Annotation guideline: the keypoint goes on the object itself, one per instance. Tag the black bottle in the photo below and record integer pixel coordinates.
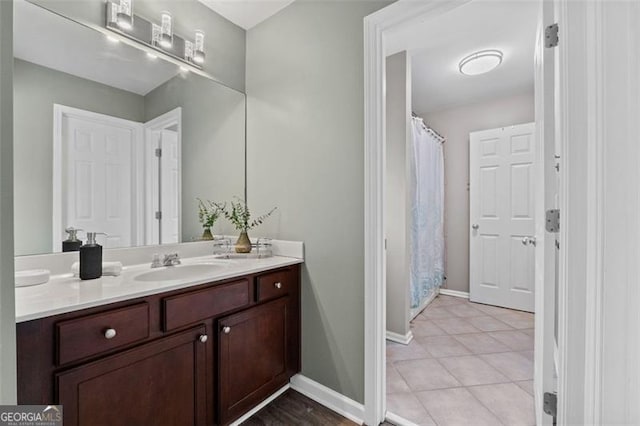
(72, 243)
(91, 258)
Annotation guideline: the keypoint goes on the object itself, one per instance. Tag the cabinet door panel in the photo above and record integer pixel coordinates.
(160, 383)
(252, 357)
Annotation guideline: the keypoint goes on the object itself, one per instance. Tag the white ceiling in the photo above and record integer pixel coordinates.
(437, 46)
(246, 13)
(47, 39)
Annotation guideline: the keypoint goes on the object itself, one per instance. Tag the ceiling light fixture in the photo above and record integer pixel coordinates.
(125, 15)
(480, 62)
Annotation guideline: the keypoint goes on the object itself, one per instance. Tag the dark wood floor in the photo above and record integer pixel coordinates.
(293, 408)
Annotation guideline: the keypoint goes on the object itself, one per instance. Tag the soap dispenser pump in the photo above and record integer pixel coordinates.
(72, 243)
(91, 258)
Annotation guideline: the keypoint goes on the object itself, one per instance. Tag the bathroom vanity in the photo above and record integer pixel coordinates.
(201, 354)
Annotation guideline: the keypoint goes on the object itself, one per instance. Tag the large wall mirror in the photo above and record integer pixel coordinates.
(111, 138)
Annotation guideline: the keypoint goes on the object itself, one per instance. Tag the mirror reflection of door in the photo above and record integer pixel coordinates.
(101, 170)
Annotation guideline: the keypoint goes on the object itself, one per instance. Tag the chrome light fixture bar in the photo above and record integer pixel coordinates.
(159, 37)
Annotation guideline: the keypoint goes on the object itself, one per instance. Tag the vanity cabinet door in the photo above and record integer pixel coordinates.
(252, 362)
(159, 383)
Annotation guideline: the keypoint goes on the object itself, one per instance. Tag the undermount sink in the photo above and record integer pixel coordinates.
(180, 272)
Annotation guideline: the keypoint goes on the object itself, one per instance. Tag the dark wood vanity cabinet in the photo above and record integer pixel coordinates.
(203, 355)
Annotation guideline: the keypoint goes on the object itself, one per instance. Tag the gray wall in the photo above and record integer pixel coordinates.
(397, 209)
(306, 156)
(36, 89)
(212, 143)
(224, 41)
(7, 289)
(455, 124)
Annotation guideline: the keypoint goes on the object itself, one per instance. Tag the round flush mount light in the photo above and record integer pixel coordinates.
(480, 62)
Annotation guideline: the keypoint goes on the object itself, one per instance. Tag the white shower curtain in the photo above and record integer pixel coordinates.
(426, 167)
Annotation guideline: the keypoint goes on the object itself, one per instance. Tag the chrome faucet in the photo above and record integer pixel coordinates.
(171, 259)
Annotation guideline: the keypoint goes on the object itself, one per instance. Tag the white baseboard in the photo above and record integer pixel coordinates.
(399, 338)
(454, 293)
(396, 420)
(331, 399)
(260, 406)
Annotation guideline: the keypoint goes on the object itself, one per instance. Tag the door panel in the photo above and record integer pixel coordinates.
(502, 214)
(97, 170)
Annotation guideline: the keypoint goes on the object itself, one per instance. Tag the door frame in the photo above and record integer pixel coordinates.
(151, 173)
(376, 27)
(60, 112)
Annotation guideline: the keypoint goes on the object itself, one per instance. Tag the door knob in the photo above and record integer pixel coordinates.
(226, 329)
(278, 285)
(475, 226)
(529, 240)
(203, 338)
(110, 333)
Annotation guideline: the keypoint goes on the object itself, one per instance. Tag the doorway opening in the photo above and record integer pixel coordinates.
(459, 269)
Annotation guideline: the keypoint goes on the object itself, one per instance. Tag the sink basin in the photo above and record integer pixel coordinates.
(180, 272)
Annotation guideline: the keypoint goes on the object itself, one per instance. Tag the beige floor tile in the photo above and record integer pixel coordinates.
(456, 407)
(426, 328)
(407, 406)
(456, 326)
(481, 343)
(515, 365)
(516, 340)
(518, 320)
(530, 331)
(491, 310)
(529, 354)
(472, 370)
(436, 313)
(464, 310)
(395, 382)
(442, 300)
(425, 374)
(488, 323)
(398, 351)
(443, 346)
(512, 405)
(527, 386)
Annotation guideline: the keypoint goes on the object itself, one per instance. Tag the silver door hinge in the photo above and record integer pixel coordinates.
(551, 36)
(552, 220)
(551, 404)
(158, 215)
(158, 152)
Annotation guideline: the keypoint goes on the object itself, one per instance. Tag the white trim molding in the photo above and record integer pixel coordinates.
(399, 338)
(454, 293)
(331, 399)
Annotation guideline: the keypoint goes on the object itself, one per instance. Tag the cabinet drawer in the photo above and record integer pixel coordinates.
(196, 306)
(273, 285)
(86, 336)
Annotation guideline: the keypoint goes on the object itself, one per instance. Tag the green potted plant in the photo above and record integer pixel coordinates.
(208, 213)
(240, 216)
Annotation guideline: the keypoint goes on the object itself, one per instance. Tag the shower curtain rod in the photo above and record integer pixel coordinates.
(429, 129)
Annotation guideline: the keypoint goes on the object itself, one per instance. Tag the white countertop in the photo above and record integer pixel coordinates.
(65, 293)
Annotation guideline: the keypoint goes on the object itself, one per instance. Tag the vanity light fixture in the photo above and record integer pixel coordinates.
(157, 38)
(198, 53)
(166, 30)
(124, 17)
(480, 62)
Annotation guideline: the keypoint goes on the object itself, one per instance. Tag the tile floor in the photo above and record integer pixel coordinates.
(468, 364)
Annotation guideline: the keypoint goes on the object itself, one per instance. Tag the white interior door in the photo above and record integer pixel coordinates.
(502, 232)
(97, 176)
